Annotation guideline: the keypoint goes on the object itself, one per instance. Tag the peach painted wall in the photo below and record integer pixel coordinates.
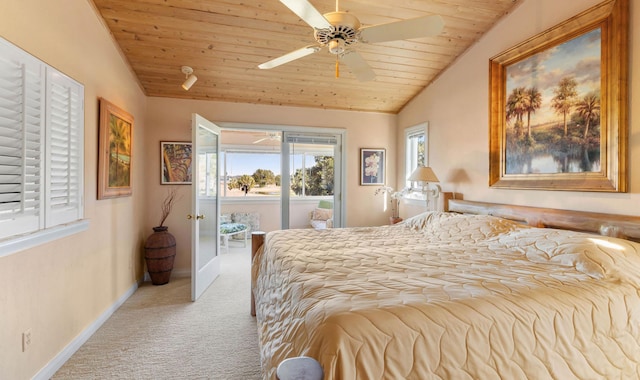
(60, 288)
(170, 119)
(456, 106)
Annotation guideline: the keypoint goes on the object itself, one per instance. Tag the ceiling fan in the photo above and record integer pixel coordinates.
(339, 31)
(272, 136)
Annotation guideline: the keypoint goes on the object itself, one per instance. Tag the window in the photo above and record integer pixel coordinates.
(312, 170)
(310, 165)
(415, 148)
(207, 185)
(41, 147)
(254, 173)
(305, 161)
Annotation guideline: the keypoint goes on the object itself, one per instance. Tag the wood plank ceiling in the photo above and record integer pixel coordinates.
(225, 40)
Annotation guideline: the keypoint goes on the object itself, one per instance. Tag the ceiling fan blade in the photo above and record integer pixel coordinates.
(307, 12)
(296, 54)
(358, 66)
(424, 26)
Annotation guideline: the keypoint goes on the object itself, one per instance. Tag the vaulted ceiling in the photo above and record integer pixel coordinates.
(224, 41)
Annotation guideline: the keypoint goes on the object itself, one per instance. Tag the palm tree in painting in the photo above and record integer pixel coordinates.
(516, 107)
(118, 145)
(589, 108)
(533, 102)
(564, 98)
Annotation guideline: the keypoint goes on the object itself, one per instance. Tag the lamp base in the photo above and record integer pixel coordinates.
(394, 219)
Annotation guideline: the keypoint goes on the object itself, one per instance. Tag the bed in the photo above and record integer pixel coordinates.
(476, 293)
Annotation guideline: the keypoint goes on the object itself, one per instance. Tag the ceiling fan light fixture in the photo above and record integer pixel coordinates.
(190, 77)
(336, 46)
(340, 31)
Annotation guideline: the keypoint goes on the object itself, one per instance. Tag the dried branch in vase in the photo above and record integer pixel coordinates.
(169, 201)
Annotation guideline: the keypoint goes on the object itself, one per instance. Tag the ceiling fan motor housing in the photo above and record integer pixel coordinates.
(343, 31)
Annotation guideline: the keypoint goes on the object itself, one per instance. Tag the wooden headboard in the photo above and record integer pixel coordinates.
(623, 226)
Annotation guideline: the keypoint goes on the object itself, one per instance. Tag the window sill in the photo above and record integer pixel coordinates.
(22, 242)
(414, 197)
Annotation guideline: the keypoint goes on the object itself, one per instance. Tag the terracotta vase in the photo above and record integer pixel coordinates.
(159, 254)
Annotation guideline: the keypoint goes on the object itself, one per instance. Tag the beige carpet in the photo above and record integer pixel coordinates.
(158, 333)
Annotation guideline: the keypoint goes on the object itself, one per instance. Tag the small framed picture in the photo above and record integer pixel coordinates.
(176, 163)
(372, 166)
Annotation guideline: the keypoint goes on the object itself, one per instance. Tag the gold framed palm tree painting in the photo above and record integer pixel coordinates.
(558, 118)
(114, 151)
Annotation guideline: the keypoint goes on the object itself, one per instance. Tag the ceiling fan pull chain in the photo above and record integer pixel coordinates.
(337, 67)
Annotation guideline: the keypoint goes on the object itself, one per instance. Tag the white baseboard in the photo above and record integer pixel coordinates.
(174, 274)
(181, 273)
(56, 363)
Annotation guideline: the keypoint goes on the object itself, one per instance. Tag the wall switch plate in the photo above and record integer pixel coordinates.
(26, 340)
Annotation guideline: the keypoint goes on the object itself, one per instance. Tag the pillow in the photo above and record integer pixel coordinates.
(325, 204)
(225, 218)
(251, 219)
(322, 214)
(419, 221)
(319, 224)
(597, 256)
(448, 226)
(230, 228)
(472, 228)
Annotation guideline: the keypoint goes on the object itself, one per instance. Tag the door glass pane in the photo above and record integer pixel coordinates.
(252, 174)
(312, 185)
(208, 195)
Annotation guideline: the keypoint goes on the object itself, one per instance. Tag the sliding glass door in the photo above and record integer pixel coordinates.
(311, 167)
(282, 174)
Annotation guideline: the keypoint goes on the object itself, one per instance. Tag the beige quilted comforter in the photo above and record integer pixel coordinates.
(449, 296)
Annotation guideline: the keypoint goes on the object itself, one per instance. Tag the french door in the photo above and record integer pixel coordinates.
(205, 231)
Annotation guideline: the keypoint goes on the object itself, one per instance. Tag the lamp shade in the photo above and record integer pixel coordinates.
(423, 174)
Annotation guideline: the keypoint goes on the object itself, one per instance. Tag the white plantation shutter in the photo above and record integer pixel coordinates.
(64, 149)
(21, 142)
(41, 145)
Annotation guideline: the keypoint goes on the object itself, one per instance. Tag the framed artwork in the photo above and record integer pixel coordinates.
(558, 106)
(176, 163)
(115, 151)
(372, 166)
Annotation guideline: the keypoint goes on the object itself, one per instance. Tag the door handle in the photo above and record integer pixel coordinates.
(198, 217)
